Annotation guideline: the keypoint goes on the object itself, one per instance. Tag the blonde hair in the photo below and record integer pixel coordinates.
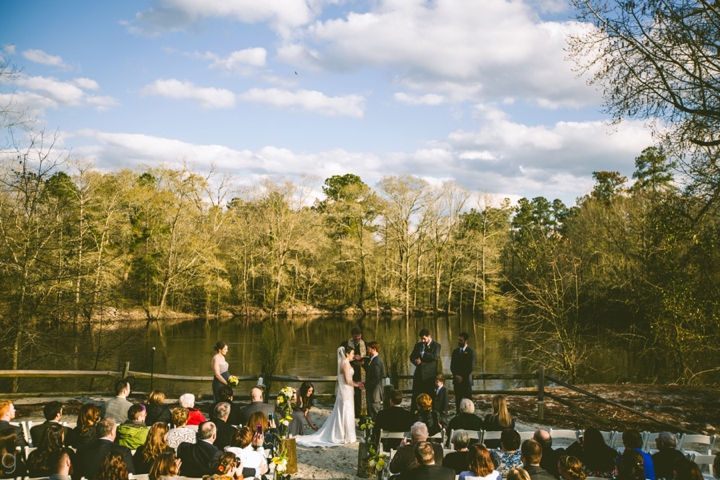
(156, 396)
(500, 410)
(424, 402)
(155, 443)
(517, 474)
(572, 466)
(180, 416)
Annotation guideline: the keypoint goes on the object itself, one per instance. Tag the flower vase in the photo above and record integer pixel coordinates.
(364, 469)
(289, 446)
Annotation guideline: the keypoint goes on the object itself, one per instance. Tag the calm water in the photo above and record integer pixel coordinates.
(186, 349)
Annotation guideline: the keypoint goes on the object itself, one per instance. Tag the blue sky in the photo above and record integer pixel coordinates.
(478, 91)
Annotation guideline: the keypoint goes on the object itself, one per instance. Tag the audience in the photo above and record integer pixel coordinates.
(157, 411)
(155, 445)
(165, 467)
(599, 459)
(198, 458)
(113, 468)
(531, 455)
(631, 466)
(466, 418)
(39, 462)
(664, 459)
(225, 431)
(256, 404)
(550, 456)
(226, 394)
(89, 457)
(187, 400)
(404, 458)
(427, 415)
(570, 468)
(12, 465)
(393, 419)
(117, 408)
(7, 413)
(632, 439)
(52, 411)
(425, 467)
(226, 468)
(84, 432)
(133, 433)
(508, 456)
(458, 460)
(180, 433)
(247, 445)
(499, 420)
(267, 428)
(480, 464)
(61, 464)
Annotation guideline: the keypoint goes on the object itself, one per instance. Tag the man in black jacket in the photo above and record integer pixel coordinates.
(531, 455)
(393, 419)
(7, 413)
(53, 413)
(373, 379)
(424, 357)
(404, 458)
(461, 366)
(198, 458)
(426, 468)
(225, 431)
(89, 457)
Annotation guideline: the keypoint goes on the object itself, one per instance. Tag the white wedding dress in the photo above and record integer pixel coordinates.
(339, 428)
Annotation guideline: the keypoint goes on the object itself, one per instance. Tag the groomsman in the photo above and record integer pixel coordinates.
(461, 366)
(424, 357)
(373, 381)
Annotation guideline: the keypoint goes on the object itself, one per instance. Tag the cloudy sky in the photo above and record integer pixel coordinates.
(478, 91)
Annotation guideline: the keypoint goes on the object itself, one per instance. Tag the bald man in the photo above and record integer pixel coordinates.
(256, 404)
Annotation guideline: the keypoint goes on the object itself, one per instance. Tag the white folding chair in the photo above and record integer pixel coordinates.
(617, 439)
(705, 461)
(526, 436)
(490, 435)
(608, 436)
(687, 440)
(26, 426)
(439, 436)
(384, 435)
(563, 434)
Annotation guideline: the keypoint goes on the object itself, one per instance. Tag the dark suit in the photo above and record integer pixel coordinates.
(425, 373)
(549, 461)
(537, 473)
(252, 408)
(225, 432)
(197, 458)
(37, 432)
(441, 403)
(465, 421)
(89, 457)
(428, 472)
(21, 442)
(462, 364)
(373, 385)
(404, 458)
(393, 419)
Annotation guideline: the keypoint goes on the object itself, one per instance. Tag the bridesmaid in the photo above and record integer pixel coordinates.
(220, 369)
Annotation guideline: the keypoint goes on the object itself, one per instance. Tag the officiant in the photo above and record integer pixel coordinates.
(357, 344)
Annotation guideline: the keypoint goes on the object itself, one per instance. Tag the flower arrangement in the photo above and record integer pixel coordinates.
(285, 403)
(233, 381)
(280, 463)
(366, 425)
(377, 460)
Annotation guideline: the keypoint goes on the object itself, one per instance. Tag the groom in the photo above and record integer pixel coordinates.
(373, 379)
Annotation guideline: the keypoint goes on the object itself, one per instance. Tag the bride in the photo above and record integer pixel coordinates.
(339, 428)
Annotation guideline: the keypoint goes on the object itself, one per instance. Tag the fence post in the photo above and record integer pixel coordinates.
(126, 370)
(541, 392)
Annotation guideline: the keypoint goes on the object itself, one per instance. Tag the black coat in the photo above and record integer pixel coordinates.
(141, 466)
(225, 432)
(429, 367)
(465, 421)
(393, 419)
(537, 473)
(441, 401)
(463, 363)
(157, 412)
(89, 457)
(428, 472)
(252, 408)
(458, 461)
(197, 458)
(404, 458)
(21, 442)
(37, 432)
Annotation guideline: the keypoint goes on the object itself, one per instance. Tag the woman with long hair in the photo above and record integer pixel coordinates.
(571, 468)
(499, 420)
(84, 432)
(480, 464)
(426, 415)
(112, 468)
(11, 464)
(598, 459)
(39, 462)
(306, 399)
(155, 444)
(156, 409)
(220, 368)
(165, 467)
(248, 446)
(268, 430)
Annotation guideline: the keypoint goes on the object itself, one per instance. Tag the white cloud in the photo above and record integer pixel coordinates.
(58, 93)
(32, 104)
(428, 99)
(207, 97)
(9, 49)
(62, 92)
(309, 100)
(102, 102)
(38, 56)
(86, 83)
(254, 57)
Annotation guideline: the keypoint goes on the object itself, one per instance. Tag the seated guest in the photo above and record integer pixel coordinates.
(165, 467)
(248, 446)
(664, 459)
(133, 433)
(226, 394)
(267, 428)
(84, 432)
(440, 399)
(61, 464)
(404, 458)
(113, 468)
(550, 456)
(631, 466)
(306, 398)
(157, 411)
(425, 465)
(39, 463)
(570, 468)
(458, 460)
(466, 418)
(52, 411)
(226, 468)
(187, 400)
(632, 439)
(155, 445)
(499, 420)
(531, 455)
(12, 465)
(89, 457)
(480, 464)
(117, 408)
(518, 474)
(509, 454)
(180, 433)
(225, 431)
(198, 458)
(7, 413)
(393, 419)
(685, 469)
(256, 404)
(597, 457)
(427, 415)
